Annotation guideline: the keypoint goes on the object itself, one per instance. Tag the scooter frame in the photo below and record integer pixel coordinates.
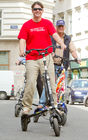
(55, 117)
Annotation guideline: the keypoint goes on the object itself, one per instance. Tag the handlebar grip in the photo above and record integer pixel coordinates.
(28, 51)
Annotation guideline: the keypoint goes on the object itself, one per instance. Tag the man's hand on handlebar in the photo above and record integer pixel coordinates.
(78, 60)
(53, 54)
(17, 62)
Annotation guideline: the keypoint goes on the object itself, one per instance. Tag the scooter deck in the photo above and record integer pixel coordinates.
(34, 114)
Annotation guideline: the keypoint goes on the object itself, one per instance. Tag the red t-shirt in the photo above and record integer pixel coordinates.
(37, 36)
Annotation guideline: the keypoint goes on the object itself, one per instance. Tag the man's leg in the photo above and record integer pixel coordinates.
(32, 70)
(42, 100)
(66, 83)
(57, 71)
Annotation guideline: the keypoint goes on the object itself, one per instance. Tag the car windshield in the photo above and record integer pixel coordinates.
(79, 84)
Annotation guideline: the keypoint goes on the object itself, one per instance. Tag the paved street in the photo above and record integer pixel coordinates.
(75, 129)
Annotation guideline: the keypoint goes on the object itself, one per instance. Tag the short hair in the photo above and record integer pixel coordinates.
(37, 3)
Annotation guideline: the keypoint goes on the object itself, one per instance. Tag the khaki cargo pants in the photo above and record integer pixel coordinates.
(32, 70)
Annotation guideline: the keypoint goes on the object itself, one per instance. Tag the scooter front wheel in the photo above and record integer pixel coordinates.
(24, 122)
(56, 126)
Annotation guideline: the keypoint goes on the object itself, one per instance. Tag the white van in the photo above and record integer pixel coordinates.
(6, 84)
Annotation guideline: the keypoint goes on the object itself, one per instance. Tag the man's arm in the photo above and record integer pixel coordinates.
(59, 40)
(73, 52)
(22, 44)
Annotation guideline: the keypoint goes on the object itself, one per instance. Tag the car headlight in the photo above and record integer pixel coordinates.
(77, 93)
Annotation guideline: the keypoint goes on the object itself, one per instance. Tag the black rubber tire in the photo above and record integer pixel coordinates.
(56, 127)
(3, 95)
(64, 119)
(8, 97)
(17, 110)
(86, 102)
(24, 122)
(36, 118)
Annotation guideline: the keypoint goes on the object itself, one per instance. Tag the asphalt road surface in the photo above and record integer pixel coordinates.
(76, 127)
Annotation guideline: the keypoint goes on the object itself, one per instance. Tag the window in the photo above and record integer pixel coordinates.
(54, 19)
(85, 12)
(61, 16)
(70, 22)
(80, 84)
(4, 60)
(0, 21)
(78, 20)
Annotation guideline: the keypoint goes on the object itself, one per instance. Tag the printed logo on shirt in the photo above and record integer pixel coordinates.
(37, 29)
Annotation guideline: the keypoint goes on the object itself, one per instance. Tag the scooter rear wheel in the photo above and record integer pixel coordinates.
(17, 110)
(56, 127)
(35, 118)
(64, 119)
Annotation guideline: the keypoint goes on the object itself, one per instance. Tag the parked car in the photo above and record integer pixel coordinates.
(6, 84)
(78, 91)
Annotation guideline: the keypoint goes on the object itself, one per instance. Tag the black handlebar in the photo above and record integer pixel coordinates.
(21, 63)
(63, 59)
(39, 50)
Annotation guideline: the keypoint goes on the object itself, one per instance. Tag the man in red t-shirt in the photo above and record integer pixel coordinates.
(35, 34)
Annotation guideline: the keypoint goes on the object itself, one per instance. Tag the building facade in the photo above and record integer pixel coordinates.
(12, 15)
(75, 14)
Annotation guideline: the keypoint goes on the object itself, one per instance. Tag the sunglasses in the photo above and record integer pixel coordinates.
(35, 9)
(60, 26)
